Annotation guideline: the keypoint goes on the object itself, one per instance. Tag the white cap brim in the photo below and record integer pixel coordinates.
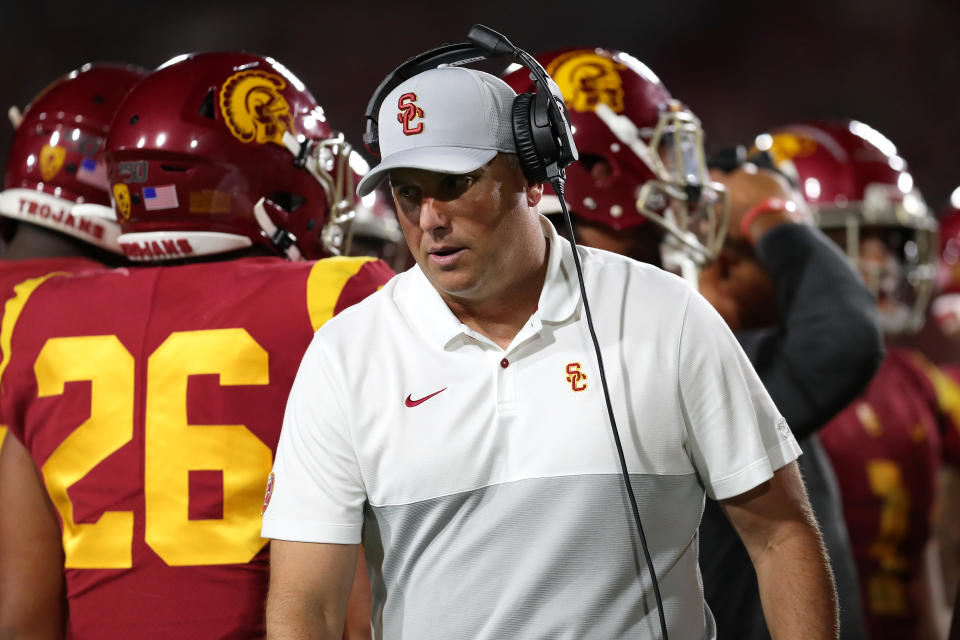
(455, 160)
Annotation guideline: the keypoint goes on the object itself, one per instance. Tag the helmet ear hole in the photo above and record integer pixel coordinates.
(599, 167)
(287, 200)
(206, 109)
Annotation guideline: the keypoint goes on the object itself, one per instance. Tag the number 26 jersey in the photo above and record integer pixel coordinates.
(151, 400)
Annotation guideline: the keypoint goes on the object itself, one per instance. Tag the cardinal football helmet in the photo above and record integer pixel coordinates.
(216, 152)
(56, 169)
(858, 186)
(651, 145)
(946, 306)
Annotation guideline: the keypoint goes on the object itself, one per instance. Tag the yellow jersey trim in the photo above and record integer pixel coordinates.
(326, 281)
(12, 311)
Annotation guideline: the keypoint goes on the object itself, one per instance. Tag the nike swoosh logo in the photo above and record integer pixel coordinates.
(410, 402)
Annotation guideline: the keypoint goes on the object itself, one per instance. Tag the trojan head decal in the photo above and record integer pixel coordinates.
(587, 79)
(51, 159)
(121, 196)
(253, 107)
(787, 146)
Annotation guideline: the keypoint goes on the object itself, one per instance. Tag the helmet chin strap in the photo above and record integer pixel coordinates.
(282, 239)
(676, 260)
(303, 158)
(690, 272)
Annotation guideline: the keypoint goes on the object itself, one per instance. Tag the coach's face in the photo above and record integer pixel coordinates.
(474, 234)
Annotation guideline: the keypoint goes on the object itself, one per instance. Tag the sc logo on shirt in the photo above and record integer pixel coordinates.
(576, 377)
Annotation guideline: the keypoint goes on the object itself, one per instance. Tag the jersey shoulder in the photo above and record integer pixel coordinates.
(942, 390)
(19, 280)
(334, 284)
(16, 271)
(946, 382)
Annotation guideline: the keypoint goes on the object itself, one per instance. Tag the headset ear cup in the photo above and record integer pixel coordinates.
(530, 161)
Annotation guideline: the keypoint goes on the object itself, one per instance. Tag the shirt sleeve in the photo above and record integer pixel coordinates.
(316, 492)
(735, 434)
(828, 344)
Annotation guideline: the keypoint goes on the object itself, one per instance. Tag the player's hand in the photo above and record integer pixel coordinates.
(749, 187)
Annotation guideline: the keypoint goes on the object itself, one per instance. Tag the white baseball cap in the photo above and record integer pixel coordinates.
(448, 120)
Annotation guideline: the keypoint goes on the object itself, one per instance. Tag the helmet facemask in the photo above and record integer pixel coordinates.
(329, 162)
(681, 199)
(891, 239)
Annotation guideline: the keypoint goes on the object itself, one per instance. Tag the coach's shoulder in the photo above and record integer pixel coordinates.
(613, 268)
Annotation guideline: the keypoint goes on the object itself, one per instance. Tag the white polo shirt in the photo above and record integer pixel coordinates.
(485, 483)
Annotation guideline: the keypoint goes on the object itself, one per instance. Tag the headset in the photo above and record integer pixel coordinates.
(545, 147)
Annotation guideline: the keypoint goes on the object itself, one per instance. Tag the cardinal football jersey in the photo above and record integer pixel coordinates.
(151, 399)
(946, 381)
(886, 448)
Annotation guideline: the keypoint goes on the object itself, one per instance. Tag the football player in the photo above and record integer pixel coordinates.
(945, 308)
(642, 189)
(942, 345)
(151, 398)
(886, 446)
(55, 170)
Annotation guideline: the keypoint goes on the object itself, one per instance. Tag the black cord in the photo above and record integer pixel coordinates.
(557, 185)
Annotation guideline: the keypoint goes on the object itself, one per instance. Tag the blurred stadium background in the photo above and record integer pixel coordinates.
(741, 66)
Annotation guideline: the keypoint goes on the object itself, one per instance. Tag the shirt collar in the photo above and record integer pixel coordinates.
(559, 297)
(561, 291)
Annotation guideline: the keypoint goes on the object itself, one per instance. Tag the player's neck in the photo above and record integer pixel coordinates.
(31, 242)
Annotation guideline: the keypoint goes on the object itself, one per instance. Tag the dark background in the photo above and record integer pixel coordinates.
(742, 67)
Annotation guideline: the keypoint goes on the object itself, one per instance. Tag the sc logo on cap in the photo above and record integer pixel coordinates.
(409, 111)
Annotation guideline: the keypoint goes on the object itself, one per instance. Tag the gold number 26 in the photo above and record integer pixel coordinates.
(172, 447)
